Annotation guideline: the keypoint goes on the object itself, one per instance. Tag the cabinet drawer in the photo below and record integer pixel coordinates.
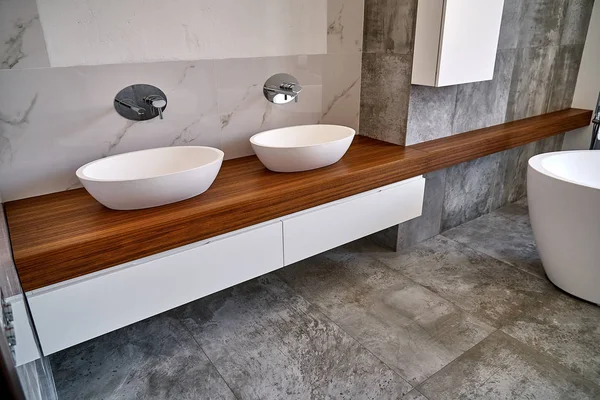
(83, 308)
(314, 231)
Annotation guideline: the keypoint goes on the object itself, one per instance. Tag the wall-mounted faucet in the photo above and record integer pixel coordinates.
(140, 102)
(281, 89)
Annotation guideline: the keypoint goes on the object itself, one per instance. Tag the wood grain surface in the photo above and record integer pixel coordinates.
(64, 235)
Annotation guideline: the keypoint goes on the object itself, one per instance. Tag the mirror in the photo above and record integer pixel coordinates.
(60, 33)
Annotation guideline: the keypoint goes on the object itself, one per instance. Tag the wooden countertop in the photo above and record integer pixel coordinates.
(64, 235)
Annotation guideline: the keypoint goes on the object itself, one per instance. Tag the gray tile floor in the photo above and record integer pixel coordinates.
(466, 314)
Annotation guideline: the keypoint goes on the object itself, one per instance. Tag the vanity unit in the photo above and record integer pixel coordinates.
(113, 298)
(88, 270)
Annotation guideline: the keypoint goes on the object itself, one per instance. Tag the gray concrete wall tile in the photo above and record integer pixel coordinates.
(385, 93)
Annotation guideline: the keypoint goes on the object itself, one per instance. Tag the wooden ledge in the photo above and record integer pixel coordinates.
(482, 142)
(64, 235)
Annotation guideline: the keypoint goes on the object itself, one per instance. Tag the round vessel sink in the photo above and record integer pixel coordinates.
(150, 178)
(301, 148)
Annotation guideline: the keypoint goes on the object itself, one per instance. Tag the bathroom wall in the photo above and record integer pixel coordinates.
(588, 83)
(55, 119)
(469, 190)
(539, 53)
(540, 49)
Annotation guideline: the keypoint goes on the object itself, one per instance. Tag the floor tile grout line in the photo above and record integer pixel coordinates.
(417, 284)
(421, 393)
(207, 357)
(320, 311)
(491, 256)
(552, 358)
(500, 326)
(418, 387)
(487, 322)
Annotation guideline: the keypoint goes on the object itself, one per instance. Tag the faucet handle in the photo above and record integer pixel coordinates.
(157, 102)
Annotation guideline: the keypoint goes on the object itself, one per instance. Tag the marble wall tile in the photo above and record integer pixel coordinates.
(243, 108)
(501, 367)
(54, 120)
(541, 23)
(93, 32)
(153, 359)
(430, 113)
(270, 343)
(473, 188)
(22, 43)
(429, 223)
(564, 78)
(576, 21)
(345, 26)
(385, 92)
(341, 90)
(389, 26)
(531, 82)
(483, 104)
(512, 17)
(411, 329)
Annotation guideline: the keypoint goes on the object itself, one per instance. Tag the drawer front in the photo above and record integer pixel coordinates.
(320, 229)
(81, 309)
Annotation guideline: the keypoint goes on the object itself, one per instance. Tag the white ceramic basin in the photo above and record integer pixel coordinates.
(300, 148)
(150, 178)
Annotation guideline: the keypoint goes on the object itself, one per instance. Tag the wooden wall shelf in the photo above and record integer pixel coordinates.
(65, 235)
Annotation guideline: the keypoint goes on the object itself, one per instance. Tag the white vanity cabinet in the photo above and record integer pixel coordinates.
(456, 41)
(314, 231)
(80, 309)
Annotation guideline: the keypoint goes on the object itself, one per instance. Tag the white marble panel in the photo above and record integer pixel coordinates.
(54, 120)
(345, 26)
(341, 89)
(244, 109)
(90, 32)
(22, 42)
(330, 95)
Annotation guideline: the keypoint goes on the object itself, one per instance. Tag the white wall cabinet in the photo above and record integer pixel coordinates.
(456, 41)
(80, 309)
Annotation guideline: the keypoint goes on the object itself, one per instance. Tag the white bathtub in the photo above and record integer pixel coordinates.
(564, 204)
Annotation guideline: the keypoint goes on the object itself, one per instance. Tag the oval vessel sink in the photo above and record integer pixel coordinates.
(150, 178)
(301, 148)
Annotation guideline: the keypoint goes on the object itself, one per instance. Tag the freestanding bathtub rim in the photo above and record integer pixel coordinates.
(563, 197)
(537, 163)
